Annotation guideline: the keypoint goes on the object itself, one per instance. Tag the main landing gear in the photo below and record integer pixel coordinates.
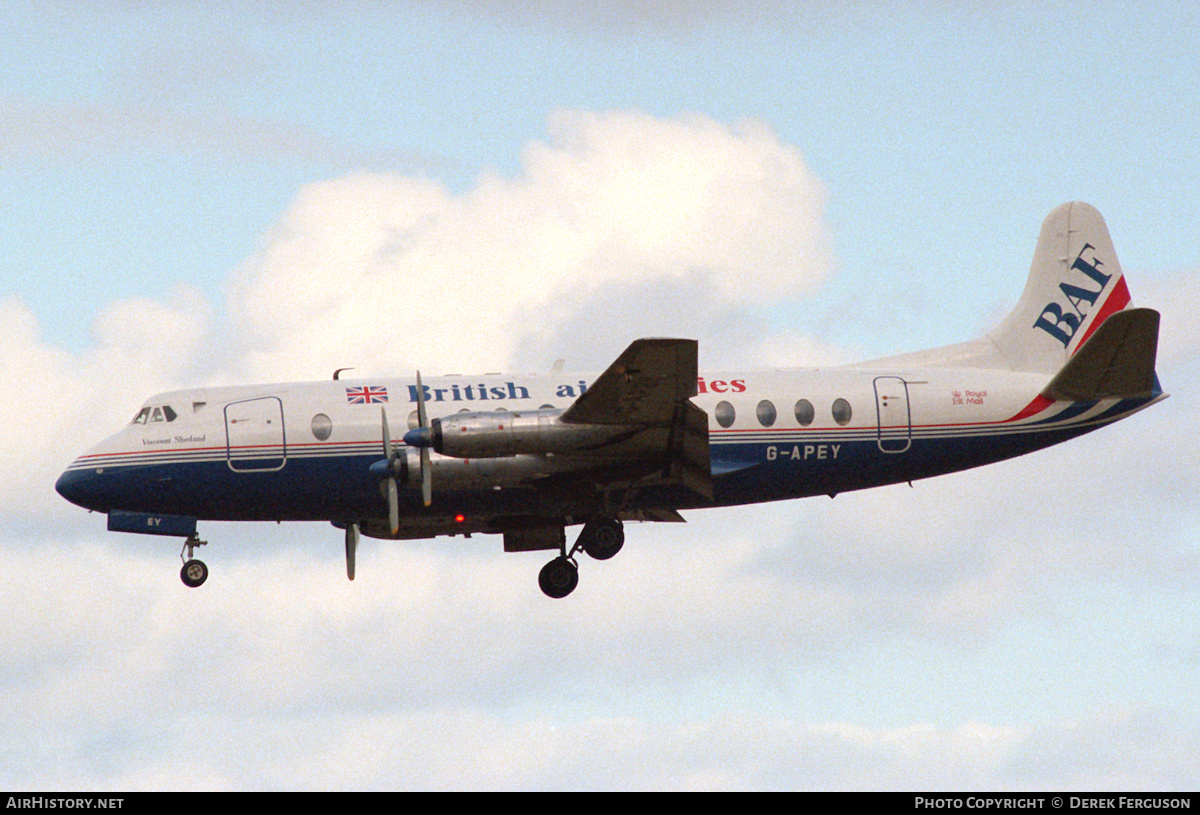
(194, 572)
(601, 538)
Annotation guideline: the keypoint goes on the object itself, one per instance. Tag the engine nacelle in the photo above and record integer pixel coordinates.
(528, 432)
(475, 473)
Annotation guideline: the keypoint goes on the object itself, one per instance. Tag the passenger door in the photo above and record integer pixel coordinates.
(895, 418)
(254, 435)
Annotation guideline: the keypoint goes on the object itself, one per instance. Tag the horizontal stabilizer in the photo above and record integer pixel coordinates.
(1116, 361)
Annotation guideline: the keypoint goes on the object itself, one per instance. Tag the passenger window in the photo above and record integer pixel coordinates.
(724, 413)
(766, 413)
(805, 412)
(842, 411)
(322, 427)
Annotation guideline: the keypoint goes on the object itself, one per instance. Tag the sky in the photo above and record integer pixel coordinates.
(227, 192)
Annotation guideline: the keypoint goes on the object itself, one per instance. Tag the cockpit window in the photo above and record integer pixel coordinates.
(157, 413)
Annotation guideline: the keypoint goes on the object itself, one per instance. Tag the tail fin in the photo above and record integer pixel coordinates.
(1075, 284)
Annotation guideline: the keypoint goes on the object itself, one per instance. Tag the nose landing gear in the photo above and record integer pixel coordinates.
(194, 572)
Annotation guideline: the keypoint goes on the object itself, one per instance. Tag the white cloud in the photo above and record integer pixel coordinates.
(59, 403)
(1112, 749)
(389, 273)
(456, 674)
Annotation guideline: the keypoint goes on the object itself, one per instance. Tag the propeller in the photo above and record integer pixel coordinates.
(388, 469)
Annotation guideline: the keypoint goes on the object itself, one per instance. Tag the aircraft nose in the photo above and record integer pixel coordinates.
(82, 488)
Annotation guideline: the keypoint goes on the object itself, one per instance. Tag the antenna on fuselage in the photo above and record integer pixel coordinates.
(336, 374)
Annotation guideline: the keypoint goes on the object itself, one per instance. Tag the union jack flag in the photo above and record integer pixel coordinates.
(367, 395)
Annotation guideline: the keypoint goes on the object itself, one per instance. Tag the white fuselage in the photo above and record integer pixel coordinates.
(302, 451)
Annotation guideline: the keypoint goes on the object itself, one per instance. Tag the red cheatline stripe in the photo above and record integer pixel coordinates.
(1117, 300)
(1039, 404)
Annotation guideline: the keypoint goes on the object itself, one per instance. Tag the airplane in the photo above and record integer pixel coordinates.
(528, 456)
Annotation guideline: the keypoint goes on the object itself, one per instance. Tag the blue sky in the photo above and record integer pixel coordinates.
(217, 192)
(240, 105)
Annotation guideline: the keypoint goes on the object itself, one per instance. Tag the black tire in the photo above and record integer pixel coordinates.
(559, 577)
(603, 538)
(194, 573)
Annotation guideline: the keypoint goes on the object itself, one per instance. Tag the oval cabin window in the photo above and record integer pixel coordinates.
(842, 412)
(724, 414)
(805, 413)
(322, 427)
(766, 413)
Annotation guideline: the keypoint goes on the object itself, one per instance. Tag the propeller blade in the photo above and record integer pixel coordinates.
(422, 418)
(351, 547)
(393, 505)
(387, 436)
(423, 424)
(426, 477)
(388, 469)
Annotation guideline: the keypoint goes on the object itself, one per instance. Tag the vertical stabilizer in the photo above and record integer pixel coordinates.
(1075, 284)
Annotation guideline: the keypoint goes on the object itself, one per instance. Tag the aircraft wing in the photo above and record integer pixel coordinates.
(644, 386)
(648, 389)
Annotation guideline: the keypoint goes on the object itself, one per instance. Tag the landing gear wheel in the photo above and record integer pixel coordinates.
(559, 577)
(602, 538)
(194, 573)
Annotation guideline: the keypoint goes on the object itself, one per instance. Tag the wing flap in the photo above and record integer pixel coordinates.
(652, 515)
(689, 462)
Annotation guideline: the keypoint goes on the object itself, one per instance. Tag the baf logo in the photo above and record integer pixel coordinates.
(1062, 323)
